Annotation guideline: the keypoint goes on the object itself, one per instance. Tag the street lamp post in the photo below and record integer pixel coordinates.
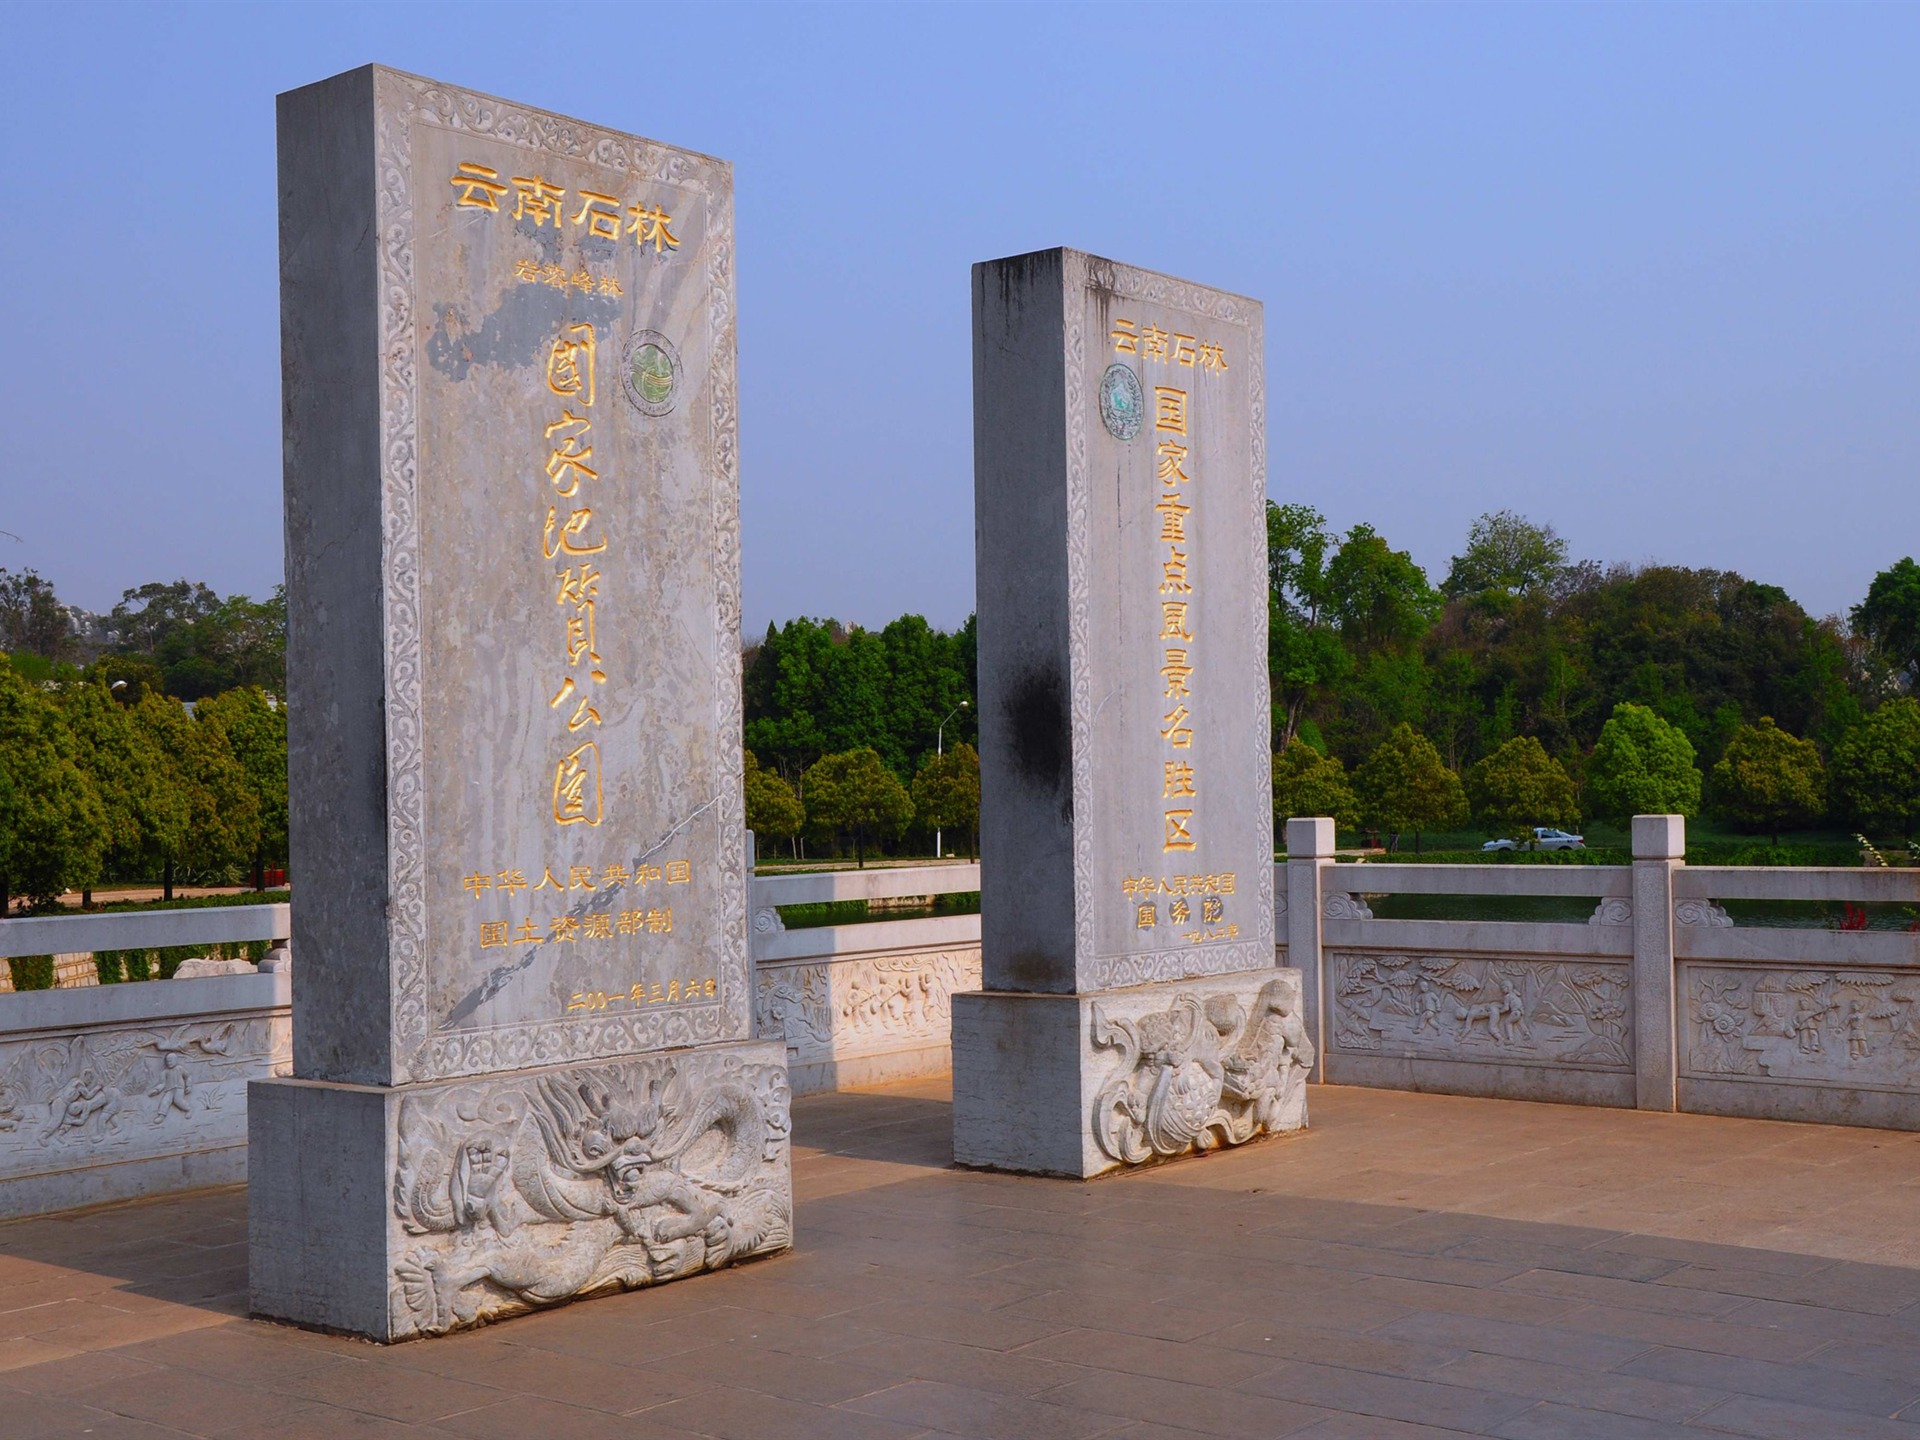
(939, 749)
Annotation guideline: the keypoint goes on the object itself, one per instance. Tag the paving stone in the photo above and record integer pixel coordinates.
(1232, 1298)
(960, 1410)
(1393, 1396)
(1816, 1385)
(1783, 1420)
(1609, 1391)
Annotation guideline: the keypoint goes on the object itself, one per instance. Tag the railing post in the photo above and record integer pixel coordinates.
(1309, 850)
(1659, 848)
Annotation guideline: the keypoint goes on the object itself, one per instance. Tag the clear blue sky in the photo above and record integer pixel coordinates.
(1646, 273)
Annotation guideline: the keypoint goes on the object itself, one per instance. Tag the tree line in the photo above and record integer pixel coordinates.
(100, 785)
(148, 744)
(178, 638)
(1525, 688)
(1528, 689)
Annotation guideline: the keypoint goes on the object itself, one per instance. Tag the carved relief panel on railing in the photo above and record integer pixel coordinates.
(1502, 1010)
(111, 1094)
(829, 1010)
(1824, 1027)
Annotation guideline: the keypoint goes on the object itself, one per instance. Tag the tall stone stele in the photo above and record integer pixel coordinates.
(522, 1054)
(1132, 1010)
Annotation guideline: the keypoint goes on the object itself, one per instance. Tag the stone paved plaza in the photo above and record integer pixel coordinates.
(1414, 1266)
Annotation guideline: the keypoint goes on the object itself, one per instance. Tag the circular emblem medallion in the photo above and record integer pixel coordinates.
(650, 372)
(1122, 403)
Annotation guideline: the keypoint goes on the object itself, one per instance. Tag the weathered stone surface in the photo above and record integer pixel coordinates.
(404, 1211)
(512, 582)
(1083, 1084)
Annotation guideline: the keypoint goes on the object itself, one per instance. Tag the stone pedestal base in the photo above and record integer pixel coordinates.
(1083, 1084)
(416, 1210)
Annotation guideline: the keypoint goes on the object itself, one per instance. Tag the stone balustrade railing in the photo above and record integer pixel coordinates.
(866, 1003)
(1658, 1001)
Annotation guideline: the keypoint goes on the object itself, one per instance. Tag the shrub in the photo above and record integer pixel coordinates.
(31, 972)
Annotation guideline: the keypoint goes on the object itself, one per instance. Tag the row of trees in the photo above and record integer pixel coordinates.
(1519, 640)
(1786, 720)
(1766, 779)
(853, 796)
(99, 784)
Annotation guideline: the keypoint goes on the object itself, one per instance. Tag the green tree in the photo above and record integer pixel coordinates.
(1404, 785)
(1305, 657)
(855, 791)
(814, 687)
(1506, 555)
(52, 824)
(127, 677)
(774, 812)
(1769, 780)
(204, 645)
(1379, 597)
(1876, 770)
(1520, 786)
(1890, 616)
(129, 774)
(255, 725)
(946, 792)
(223, 814)
(32, 619)
(1307, 783)
(1641, 765)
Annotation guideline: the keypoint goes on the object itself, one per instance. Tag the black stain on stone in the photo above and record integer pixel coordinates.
(1042, 741)
(520, 332)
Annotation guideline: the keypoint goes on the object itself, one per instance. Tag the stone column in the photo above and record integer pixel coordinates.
(1309, 851)
(523, 1059)
(1131, 1009)
(1659, 848)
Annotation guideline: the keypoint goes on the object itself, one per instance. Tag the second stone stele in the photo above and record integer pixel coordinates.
(1131, 1008)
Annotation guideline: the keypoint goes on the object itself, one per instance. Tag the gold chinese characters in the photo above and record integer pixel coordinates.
(510, 881)
(572, 929)
(558, 277)
(481, 187)
(1178, 665)
(640, 993)
(1150, 342)
(571, 375)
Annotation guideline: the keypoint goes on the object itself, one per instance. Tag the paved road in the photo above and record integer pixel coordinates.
(1416, 1266)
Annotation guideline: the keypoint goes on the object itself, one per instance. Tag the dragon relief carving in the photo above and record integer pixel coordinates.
(1845, 1027)
(566, 1184)
(1203, 1073)
(1452, 1009)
